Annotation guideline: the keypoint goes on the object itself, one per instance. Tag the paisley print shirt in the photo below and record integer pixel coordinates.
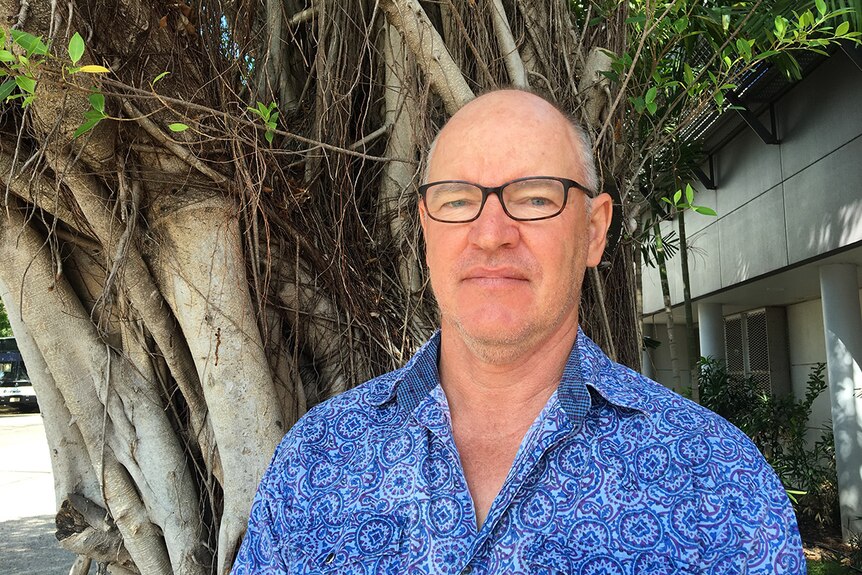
(617, 475)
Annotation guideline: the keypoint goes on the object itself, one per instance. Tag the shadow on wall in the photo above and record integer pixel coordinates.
(837, 229)
(844, 376)
(28, 547)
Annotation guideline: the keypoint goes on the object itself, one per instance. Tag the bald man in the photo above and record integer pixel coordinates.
(510, 443)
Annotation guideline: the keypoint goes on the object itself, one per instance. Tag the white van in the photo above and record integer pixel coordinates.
(15, 387)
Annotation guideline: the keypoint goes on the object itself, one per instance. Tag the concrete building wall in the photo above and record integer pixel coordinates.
(807, 348)
(779, 204)
(660, 357)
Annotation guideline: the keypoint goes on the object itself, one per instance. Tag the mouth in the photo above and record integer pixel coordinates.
(492, 276)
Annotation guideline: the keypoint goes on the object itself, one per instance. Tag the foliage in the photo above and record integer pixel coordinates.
(827, 568)
(5, 327)
(202, 290)
(779, 427)
(687, 59)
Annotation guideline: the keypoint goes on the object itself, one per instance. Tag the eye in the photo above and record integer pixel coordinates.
(452, 199)
(457, 203)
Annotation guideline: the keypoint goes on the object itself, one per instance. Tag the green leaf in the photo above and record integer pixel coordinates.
(744, 48)
(667, 201)
(725, 22)
(651, 108)
(94, 115)
(650, 95)
(76, 48)
(86, 127)
(780, 26)
(680, 25)
(31, 44)
(704, 211)
(689, 194)
(268, 135)
(263, 111)
(177, 127)
(821, 7)
(97, 100)
(766, 54)
(636, 19)
(676, 197)
(842, 29)
(26, 83)
(6, 89)
(159, 77)
(687, 74)
(719, 99)
(7, 56)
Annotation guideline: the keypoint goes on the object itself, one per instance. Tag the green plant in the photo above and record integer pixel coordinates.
(269, 115)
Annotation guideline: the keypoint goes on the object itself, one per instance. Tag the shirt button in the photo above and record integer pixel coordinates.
(467, 570)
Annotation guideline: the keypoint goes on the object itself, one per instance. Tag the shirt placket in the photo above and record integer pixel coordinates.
(549, 429)
(432, 413)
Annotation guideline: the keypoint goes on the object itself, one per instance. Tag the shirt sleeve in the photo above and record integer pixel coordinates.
(261, 549)
(747, 523)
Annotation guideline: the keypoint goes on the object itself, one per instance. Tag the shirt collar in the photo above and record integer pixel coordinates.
(587, 366)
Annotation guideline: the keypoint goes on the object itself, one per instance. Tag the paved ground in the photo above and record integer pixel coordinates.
(27, 543)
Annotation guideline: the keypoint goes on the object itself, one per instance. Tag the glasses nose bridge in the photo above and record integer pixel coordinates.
(493, 191)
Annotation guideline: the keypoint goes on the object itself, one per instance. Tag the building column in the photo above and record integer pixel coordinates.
(842, 322)
(710, 326)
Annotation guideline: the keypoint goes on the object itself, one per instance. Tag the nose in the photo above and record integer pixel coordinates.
(494, 229)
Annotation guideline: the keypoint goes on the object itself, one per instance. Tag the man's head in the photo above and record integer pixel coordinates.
(503, 285)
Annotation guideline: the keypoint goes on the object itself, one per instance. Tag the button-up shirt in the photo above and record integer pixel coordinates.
(617, 475)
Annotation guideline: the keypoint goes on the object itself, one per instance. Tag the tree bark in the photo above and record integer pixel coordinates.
(431, 53)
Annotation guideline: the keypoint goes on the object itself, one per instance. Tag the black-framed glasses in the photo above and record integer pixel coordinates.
(525, 199)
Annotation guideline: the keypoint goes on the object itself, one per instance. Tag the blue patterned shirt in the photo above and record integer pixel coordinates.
(617, 475)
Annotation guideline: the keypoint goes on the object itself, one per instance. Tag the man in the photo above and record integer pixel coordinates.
(510, 443)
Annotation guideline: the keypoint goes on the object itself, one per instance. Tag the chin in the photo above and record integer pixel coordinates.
(487, 332)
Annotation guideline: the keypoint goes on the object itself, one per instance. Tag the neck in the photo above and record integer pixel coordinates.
(514, 383)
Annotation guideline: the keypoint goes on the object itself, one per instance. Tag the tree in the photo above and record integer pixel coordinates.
(210, 221)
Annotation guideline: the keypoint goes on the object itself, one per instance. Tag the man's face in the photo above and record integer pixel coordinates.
(500, 282)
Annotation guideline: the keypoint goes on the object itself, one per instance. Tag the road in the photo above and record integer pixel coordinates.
(27, 505)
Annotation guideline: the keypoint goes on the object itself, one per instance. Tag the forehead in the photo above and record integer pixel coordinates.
(502, 136)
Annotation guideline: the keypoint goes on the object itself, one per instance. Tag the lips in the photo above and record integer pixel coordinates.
(495, 275)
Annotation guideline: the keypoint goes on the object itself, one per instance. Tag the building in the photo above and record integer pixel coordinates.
(776, 276)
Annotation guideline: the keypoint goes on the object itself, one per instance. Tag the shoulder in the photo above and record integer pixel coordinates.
(340, 421)
(683, 452)
(697, 439)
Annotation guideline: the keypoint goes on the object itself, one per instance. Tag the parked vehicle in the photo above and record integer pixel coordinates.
(15, 387)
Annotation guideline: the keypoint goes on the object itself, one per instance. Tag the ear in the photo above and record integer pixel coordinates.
(423, 216)
(600, 221)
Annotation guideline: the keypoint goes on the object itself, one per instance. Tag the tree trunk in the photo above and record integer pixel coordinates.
(691, 339)
(182, 290)
(661, 263)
